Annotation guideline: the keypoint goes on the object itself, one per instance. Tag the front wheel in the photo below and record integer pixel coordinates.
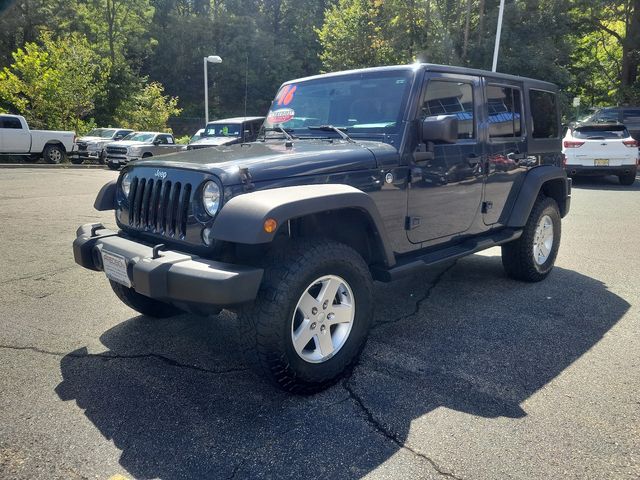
(311, 318)
(53, 154)
(102, 158)
(113, 166)
(531, 257)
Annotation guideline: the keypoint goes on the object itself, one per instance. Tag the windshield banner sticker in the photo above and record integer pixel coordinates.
(286, 95)
(281, 115)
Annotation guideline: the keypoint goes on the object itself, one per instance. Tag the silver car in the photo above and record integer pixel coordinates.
(140, 145)
(92, 145)
(228, 131)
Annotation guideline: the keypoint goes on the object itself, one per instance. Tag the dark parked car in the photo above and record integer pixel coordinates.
(228, 131)
(405, 167)
(629, 116)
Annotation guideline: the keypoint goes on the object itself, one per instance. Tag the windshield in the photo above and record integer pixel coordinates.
(102, 132)
(370, 102)
(139, 137)
(598, 132)
(222, 130)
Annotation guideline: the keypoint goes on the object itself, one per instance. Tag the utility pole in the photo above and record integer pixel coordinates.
(498, 32)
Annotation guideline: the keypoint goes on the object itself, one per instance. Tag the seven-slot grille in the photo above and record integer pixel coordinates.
(117, 150)
(160, 207)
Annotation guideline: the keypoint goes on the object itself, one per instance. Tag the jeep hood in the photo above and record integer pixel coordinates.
(273, 160)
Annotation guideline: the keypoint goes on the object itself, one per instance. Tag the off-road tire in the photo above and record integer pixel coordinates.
(628, 178)
(53, 154)
(113, 166)
(144, 305)
(265, 325)
(518, 257)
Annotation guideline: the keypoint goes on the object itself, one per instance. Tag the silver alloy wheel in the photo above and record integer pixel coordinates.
(543, 240)
(322, 319)
(55, 155)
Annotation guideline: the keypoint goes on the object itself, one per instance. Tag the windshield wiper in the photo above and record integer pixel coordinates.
(331, 128)
(284, 131)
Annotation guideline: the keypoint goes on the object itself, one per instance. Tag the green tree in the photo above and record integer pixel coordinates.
(54, 85)
(147, 109)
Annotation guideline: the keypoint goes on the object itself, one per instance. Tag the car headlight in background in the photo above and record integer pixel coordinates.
(211, 197)
(126, 184)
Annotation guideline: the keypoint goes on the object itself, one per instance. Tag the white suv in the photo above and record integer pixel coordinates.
(601, 149)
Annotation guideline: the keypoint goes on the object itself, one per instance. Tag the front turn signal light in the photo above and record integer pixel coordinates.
(270, 225)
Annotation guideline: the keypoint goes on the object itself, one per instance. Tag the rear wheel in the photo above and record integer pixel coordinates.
(532, 256)
(53, 154)
(311, 318)
(627, 178)
(144, 305)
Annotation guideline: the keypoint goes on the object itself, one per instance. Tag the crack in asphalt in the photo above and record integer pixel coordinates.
(37, 276)
(369, 417)
(421, 300)
(106, 356)
(378, 427)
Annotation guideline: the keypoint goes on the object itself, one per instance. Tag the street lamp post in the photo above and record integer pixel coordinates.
(209, 59)
(498, 32)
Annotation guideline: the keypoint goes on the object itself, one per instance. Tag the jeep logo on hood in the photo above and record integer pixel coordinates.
(161, 174)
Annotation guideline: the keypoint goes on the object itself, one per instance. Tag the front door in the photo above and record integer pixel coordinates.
(13, 138)
(445, 192)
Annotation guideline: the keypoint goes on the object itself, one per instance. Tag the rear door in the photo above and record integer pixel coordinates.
(506, 149)
(13, 137)
(445, 192)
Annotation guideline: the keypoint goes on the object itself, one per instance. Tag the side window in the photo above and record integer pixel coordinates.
(606, 116)
(544, 112)
(169, 139)
(505, 111)
(631, 115)
(451, 98)
(10, 122)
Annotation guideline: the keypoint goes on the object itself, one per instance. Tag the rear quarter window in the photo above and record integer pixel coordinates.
(544, 112)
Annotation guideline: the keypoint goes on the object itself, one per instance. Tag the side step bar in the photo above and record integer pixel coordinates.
(415, 264)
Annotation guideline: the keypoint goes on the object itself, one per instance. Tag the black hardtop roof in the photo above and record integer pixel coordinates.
(432, 67)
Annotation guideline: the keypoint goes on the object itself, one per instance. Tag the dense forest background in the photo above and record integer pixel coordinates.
(77, 63)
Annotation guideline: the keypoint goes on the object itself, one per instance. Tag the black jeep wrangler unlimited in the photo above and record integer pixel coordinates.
(358, 176)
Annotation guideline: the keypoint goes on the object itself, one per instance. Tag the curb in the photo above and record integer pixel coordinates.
(54, 166)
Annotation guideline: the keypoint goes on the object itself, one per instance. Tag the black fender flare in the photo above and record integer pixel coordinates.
(106, 199)
(242, 218)
(532, 185)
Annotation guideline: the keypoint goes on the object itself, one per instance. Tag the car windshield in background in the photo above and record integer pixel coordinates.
(140, 137)
(600, 133)
(371, 102)
(222, 130)
(101, 132)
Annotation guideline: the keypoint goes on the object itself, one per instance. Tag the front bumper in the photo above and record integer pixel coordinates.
(594, 171)
(187, 281)
(120, 159)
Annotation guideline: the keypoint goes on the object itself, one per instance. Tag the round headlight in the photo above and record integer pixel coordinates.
(211, 197)
(126, 184)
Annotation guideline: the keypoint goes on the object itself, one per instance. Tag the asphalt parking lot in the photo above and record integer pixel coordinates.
(467, 374)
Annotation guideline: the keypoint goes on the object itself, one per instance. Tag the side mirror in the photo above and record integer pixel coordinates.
(118, 137)
(439, 129)
(157, 141)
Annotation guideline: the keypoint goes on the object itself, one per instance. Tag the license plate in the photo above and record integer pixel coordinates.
(115, 268)
(602, 162)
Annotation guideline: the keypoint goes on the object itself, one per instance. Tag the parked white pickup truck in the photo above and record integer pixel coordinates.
(17, 139)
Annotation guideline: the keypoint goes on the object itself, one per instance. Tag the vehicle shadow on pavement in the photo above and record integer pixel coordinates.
(175, 398)
(604, 183)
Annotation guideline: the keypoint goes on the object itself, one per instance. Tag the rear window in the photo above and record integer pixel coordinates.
(544, 113)
(600, 133)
